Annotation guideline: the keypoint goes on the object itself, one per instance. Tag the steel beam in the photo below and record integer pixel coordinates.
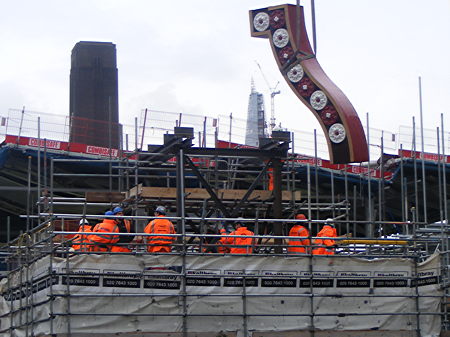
(207, 186)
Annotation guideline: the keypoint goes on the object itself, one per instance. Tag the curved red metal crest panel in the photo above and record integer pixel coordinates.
(284, 26)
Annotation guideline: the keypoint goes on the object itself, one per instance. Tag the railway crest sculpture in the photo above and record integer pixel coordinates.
(284, 26)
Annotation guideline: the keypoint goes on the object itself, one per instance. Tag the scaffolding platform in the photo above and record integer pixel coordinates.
(211, 294)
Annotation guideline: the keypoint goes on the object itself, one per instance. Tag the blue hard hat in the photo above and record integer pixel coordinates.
(109, 213)
(117, 210)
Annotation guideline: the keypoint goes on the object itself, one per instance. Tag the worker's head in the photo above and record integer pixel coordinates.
(160, 210)
(239, 223)
(109, 213)
(84, 222)
(118, 211)
(300, 216)
(329, 222)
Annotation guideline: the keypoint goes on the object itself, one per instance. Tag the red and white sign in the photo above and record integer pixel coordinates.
(424, 155)
(101, 151)
(49, 144)
(63, 146)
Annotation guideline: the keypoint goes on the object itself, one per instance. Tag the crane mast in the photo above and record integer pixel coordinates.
(273, 93)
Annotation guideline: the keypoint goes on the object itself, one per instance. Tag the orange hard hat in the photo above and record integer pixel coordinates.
(300, 217)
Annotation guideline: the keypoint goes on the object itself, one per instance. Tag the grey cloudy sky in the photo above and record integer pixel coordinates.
(198, 57)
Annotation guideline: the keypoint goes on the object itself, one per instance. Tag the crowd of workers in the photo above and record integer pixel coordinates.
(161, 238)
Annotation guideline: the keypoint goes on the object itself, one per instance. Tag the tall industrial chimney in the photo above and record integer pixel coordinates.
(94, 103)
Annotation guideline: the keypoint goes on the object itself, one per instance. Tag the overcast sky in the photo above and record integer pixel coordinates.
(198, 57)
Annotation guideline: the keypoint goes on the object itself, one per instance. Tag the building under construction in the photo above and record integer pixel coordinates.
(388, 275)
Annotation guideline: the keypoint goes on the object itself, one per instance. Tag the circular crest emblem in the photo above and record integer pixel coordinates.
(337, 133)
(261, 21)
(295, 74)
(280, 38)
(318, 100)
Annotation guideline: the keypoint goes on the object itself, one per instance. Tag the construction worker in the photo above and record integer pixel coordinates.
(104, 242)
(80, 242)
(222, 247)
(299, 246)
(216, 245)
(160, 244)
(124, 226)
(327, 245)
(240, 245)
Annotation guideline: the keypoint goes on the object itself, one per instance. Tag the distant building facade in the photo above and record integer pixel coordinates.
(94, 100)
(256, 119)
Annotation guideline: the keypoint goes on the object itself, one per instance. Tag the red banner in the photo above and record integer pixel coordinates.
(424, 155)
(62, 146)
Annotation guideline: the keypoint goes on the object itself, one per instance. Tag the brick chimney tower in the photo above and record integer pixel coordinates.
(94, 102)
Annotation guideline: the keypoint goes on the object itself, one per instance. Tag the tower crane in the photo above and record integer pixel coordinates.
(273, 92)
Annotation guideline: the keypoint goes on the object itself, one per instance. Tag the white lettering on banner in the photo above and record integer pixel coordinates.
(84, 271)
(203, 272)
(354, 274)
(122, 273)
(241, 272)
(279, 273)
(317, 273)
(427, 273)
(50, 144)
(391, 274)
(101, 151)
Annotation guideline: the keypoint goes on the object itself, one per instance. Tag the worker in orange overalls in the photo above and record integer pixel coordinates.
(222, 247)
(160, 244)
(80, 242)
(104, 242)
(216, 245)
(299, 246)
(270, 179)
(327, 245)
(124, 226)
(241, 245)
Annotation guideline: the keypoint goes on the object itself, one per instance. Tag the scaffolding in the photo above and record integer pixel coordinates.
(386, 277)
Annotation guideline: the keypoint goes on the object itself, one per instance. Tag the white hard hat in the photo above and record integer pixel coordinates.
(84, 222)
(161, 210)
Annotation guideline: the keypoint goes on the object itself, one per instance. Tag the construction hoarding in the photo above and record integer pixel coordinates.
(89, 294)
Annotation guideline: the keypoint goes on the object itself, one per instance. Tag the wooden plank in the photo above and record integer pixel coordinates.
(201, 193)
(104, 196)
(134, 191)
(288, 195)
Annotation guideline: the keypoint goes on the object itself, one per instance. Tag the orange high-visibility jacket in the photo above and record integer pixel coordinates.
(124, 227)
(271, 179)
(240, 245)
(160, 243)
(81, 241)
(326, 231)
(103, 242)
(298, 231)
(221, 244)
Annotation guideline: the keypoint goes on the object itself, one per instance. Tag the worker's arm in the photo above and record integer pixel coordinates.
(227, 240)
(172, 231)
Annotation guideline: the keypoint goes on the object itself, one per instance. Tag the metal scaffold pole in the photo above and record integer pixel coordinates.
(38, 194)
(369, 232)
(444, 176)
(416, 194)
(316, 175)
(424, 187)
